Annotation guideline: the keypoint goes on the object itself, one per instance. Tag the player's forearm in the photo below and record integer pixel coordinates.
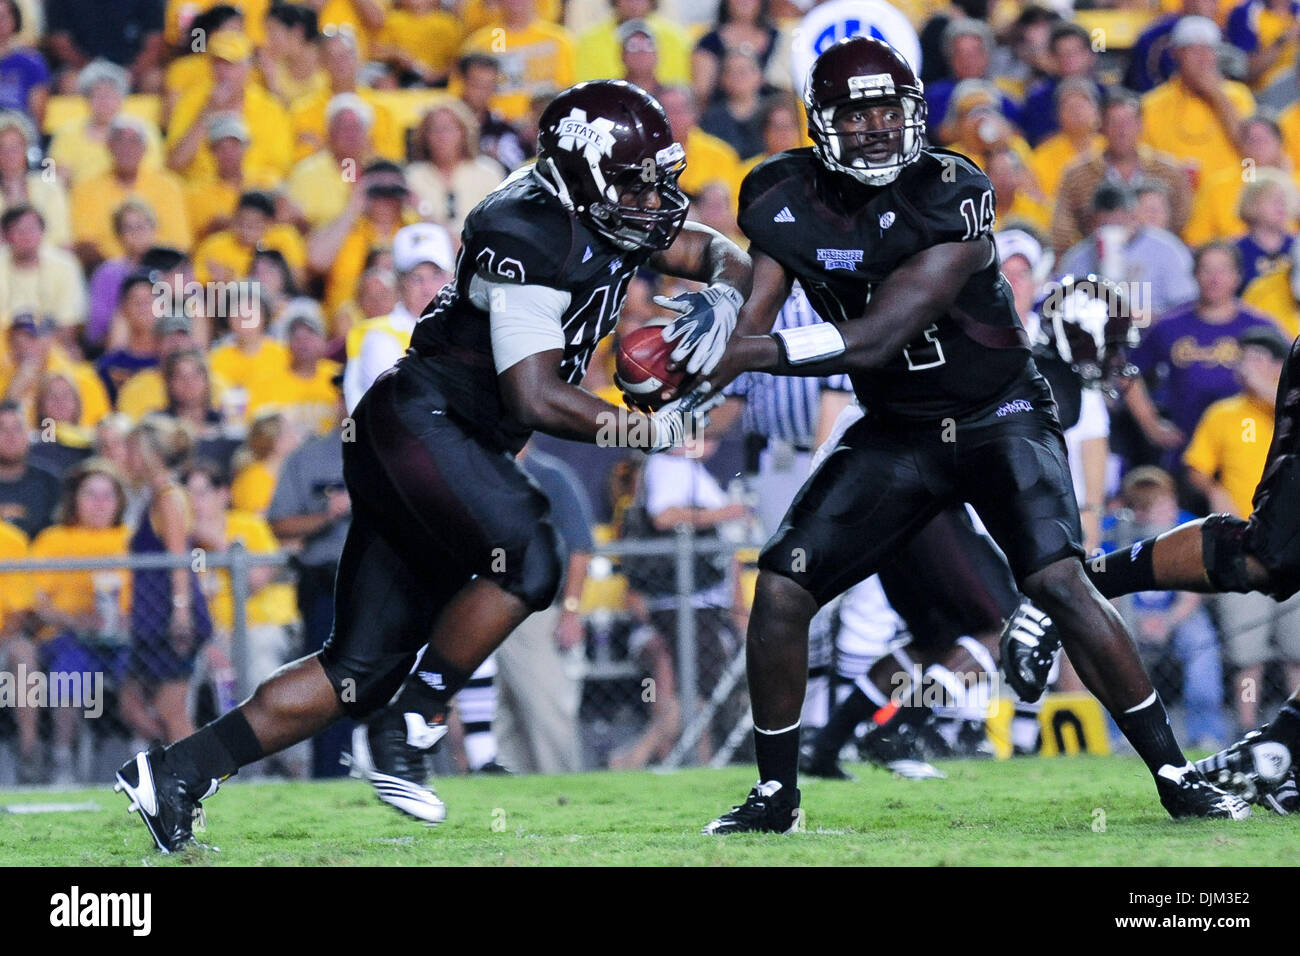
(568, 411)
(703, 254)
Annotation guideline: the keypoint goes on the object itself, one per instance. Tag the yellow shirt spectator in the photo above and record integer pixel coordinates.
(90, 387)
(73, 592)
(1289, 122)
(96, 200)
(1182, 124)
(1231, 443)
(309, 127)
(146, 392)
(309, 402)
(180, 14)
(1272, 295)
(535, 60)
(343, 13)
(600, 53)
(55, 287)
(709, 159)
(276, 603)
(80, 156)
(431, 39)
(487, 13)
(222, 257)
(1052, 155)
(15, 587)
(341, 284)
(271, 139)
(50, 199)
(318, 187)
(252, 488)
(255, 371)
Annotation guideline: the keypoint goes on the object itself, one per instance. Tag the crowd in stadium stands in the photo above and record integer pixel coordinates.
(198, 206)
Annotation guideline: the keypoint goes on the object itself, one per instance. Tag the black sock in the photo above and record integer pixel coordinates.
(429, 687)
(1148, 730)
(1285, 727)
(854, 709)
(1125, 571)
(217, 750)
(778, 757)
(906, 714)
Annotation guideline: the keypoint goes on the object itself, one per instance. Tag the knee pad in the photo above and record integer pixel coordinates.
(1223, 549)
(536, 575)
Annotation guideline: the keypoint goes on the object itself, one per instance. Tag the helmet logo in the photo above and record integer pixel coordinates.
(873, 84)
(594, 138)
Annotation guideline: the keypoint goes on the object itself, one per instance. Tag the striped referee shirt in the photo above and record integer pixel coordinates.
(785, 406)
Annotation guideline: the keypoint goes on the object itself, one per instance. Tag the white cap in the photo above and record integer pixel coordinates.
(1195, 31)
(1017, 242)
(423, 242)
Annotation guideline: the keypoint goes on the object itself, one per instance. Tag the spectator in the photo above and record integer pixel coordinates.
(38, 277)
(233, 91)
(478, 76)
(271, 273)
(1283, 92)
(1151, 62)
(360, 19)
(309, 514)
(1019, 199)
(146, 391)
(28, 494)
(976, 126)
(191, 398)
(968, 45)
(1188, 357)
(24, 76)
(713, 207)
(33, 352)
(1196, 115)
(1072, 57)
(1266, 30)
(1166, 623)
(782, 130)
(79, 148)
(192, 67)
(96, 198)
(540, 692)
(17, 650)
(60, 442)
(1224, 460)
(82, 615)
(598, 47)
(449, 177)
(1078, 118)
(289, 61)
(708, 159)
(249, 361)
(1122, 160)
(311, 114)
(639, 55)
(227, 256)
(125, 32)
(1125, 252)
(420, 41)
(1268, 207)
(20, 185)
(537, 57)
(1214, 215)
(744, 25)
(1026, 55)
(136, 229)
(133, 340)
(211, 201)
(1151, 206)
(257, 463)
(378, 207)
(169, 613)
(424, 263)
(319, 185)
(737, 117)
(305, 393)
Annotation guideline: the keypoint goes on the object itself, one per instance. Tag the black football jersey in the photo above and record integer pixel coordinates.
(521, 234)
(840, 239)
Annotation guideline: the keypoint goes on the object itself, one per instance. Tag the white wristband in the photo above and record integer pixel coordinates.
(811, 343)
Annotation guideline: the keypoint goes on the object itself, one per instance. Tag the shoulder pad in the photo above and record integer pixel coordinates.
(952, 197)
(520, 235)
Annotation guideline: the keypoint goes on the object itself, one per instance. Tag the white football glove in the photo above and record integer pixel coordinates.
(681, 419)
(707, 319)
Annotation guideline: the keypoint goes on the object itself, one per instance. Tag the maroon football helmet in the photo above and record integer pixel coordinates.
(863, 71)
(1087, 320)
(605, 139)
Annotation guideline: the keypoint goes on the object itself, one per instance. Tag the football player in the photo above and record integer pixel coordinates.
(1220, 553)
(450, 542)
(891, 240)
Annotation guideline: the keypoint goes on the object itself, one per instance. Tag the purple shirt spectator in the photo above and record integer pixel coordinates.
(105, 285)
(1191, 361)
(21, 71)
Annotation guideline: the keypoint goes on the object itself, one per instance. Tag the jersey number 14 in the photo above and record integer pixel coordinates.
(979, 222)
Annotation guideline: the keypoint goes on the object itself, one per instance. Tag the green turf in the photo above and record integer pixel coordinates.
(1038, 812)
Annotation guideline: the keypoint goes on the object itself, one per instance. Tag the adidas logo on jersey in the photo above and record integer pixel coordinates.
(785, 215)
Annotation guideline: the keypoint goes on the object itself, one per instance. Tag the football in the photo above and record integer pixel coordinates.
(641, 367)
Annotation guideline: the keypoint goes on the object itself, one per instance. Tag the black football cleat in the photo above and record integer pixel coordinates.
(767, 809)
(1273, 531)
(168, 805)
(390, 753)
(1029, 643)
(1253, 768)
(814, 764)
(1284, 799)
(1185, 793)
(898, 749)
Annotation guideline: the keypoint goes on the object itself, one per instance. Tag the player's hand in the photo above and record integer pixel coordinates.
(568, 630)
(706, 320)
(681, 420)
(1165, 434)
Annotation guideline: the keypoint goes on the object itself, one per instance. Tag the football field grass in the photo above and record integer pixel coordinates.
(1066, 812)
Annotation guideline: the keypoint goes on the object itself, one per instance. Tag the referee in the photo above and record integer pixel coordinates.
(783, 418)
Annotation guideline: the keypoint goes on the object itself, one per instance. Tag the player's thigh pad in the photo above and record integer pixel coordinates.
(869, 494)
(1015, 473)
